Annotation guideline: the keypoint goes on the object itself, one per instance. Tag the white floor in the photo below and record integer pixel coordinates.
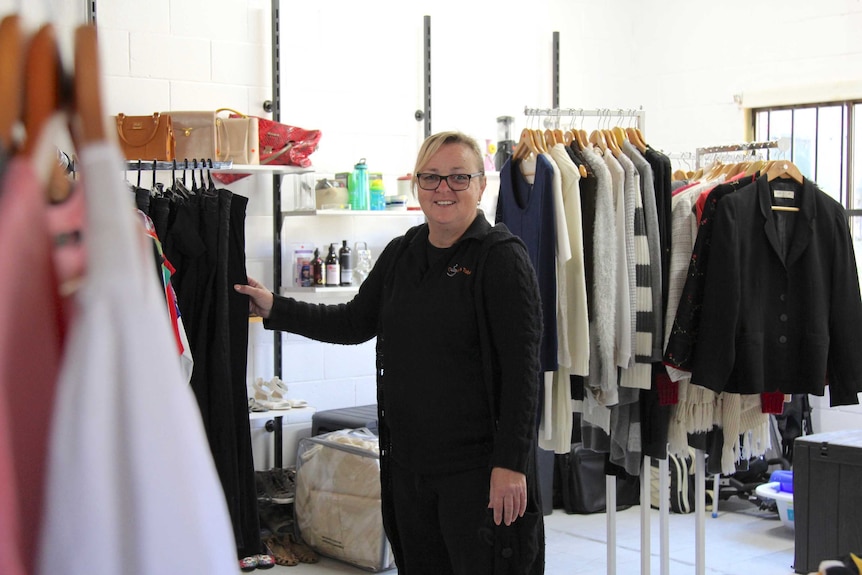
(742, 539)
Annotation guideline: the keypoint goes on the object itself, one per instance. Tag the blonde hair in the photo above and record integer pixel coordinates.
(434, 142)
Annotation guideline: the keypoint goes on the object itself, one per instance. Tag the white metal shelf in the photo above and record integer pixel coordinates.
(263, 169)
(360, 213)
(292, 290)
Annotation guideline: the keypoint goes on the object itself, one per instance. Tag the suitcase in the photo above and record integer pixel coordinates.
(827, 473)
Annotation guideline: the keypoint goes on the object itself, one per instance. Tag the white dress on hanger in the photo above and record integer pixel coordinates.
(131, 487)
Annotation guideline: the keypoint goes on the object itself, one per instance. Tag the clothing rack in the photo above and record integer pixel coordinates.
(639, 115)
(730, 148)
(700, 459)
(152, 165)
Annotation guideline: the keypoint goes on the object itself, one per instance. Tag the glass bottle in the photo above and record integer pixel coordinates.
(333, 274)
(363, 262)
(317, 269)
(345, 260)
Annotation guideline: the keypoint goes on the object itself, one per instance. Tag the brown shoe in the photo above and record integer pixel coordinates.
(282, 554)
(303, 552)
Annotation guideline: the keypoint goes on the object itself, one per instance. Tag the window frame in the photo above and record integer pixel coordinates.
(849, 119)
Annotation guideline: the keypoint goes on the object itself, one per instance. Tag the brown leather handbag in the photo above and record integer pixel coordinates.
(147, 137)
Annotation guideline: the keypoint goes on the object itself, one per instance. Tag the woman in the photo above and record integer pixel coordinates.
(454, 305)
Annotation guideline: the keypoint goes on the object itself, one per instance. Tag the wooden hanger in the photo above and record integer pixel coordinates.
(611, 141)
(754, 167)
(619, 136)
(598, 139)
(568, 137)
(41, 84)
(549, 139)
(558, 136)
(712, 171)
(539, 141)
(525, 146)
(635, 138)
(10, 78)
(784, 169)
(641, 138)
(581, 137)
(90, 122)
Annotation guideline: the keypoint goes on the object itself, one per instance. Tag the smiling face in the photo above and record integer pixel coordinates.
(450, 213)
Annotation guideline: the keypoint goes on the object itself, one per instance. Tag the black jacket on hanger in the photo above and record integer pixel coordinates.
(782, 308)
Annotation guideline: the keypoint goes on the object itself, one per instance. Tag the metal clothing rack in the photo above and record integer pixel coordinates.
(730, 148)
(152, 165)
(639, 115)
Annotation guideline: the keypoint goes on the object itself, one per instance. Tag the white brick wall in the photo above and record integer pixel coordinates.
(359, 81)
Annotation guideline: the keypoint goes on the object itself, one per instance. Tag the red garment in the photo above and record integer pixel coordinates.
(701, 199)
(31, 336)
(772, 402)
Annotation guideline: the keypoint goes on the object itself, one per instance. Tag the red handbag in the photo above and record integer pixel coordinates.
(285, 145)
(280, 145)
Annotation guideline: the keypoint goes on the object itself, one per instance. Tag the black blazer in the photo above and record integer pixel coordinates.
(782, 309)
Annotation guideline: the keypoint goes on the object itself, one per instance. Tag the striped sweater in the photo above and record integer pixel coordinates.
(639, 374)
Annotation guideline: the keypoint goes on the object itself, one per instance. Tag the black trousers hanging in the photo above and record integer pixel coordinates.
(206, 243)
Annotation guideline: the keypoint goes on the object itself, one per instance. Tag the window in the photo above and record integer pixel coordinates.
(820, 144)
(826, 146)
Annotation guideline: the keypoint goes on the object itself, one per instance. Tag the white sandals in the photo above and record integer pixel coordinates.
(273, 395)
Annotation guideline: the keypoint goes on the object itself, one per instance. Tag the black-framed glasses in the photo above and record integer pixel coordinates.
(456, 182)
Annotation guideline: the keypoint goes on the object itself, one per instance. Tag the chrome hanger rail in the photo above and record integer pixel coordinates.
(742, 147)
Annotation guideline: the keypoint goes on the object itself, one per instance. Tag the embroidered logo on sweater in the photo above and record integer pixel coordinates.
(453, 270)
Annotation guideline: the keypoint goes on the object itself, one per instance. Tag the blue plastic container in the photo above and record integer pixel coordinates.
(784, 479)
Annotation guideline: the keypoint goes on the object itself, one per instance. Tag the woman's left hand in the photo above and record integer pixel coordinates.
(508, 495)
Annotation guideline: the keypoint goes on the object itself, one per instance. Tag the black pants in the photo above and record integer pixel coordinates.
(444, 524)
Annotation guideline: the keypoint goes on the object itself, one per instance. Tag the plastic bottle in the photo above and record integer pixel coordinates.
(358, 190)
(345, 261)
(333, 273)
(378, 195)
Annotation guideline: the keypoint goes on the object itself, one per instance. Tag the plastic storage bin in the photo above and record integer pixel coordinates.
(345, 418)
(827, 473)
(783, 500)
(337, 504)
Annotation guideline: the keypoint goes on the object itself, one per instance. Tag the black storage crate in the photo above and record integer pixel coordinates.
(827, 497)
(346, 418)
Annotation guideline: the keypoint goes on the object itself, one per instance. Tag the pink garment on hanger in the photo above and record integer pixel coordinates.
(31, 338)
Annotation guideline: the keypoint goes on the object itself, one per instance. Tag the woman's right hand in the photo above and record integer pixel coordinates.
(259, 298)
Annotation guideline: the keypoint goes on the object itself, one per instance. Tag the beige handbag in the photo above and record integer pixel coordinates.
(195, 134)
(237, 138)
